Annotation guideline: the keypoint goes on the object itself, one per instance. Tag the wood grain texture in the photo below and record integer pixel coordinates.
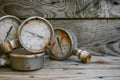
(100, 68)
(100, 37)
(61, 8)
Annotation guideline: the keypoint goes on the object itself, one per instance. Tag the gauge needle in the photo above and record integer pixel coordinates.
(59, 44)
(8, 32)
(34, 34)
(39, 36)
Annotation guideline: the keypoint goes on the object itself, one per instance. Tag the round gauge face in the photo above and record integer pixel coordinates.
(35, 34)
(8, 27)
(61, 46)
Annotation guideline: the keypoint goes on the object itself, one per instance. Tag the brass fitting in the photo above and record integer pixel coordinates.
(8, 46)
(83, 55)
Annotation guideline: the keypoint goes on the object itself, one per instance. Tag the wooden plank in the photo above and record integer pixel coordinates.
(60, 78)
(61, 8)
(100, 37)
(97, 63)
(67, 75)
(60, 73)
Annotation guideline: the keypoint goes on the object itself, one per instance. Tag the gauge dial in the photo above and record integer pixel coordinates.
(62, 44)
(35, 34)
(8, 27)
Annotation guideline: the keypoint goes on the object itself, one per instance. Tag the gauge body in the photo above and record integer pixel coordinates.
(35, 34)
(22, 60)
(8, 27)
(63, 44)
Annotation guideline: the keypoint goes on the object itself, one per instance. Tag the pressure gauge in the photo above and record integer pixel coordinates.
(8, 30)
(35, 34)
(64, 44)
(8, 27)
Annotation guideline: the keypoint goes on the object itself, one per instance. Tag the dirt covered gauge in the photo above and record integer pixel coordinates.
(35, 34)
(62, 44)
(8, 27)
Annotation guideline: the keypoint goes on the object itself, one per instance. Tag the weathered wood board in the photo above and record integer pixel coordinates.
(100, 37)
(100, 68)
(61, 8)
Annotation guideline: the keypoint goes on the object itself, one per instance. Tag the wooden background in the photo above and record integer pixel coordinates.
(95, 22)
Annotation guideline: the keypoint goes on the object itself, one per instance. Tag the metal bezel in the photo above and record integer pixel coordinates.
(22, 25)
(10, 16)
(21, 53)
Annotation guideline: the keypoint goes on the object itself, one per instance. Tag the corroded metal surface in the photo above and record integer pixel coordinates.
(8, 46)
(25, 61)
(62, 44)
(83, 55)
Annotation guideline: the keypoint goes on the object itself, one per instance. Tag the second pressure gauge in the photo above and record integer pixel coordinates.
(63, 44)
(8, 31)
(8, 27)
(35, 34)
